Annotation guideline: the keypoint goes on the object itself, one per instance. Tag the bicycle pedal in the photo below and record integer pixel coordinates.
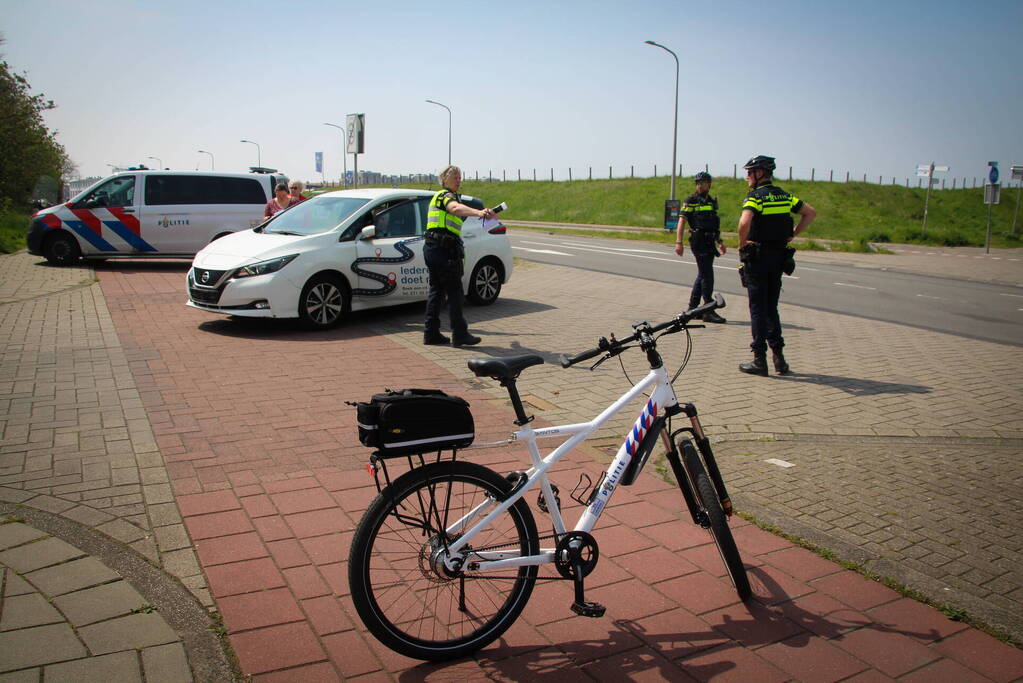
(588, 609)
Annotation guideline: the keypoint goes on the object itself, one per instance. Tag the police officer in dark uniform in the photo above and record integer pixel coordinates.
(765, 229)
(700, 212)
(444, 257)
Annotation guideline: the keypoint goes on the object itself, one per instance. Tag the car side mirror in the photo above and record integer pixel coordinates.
(368, 233)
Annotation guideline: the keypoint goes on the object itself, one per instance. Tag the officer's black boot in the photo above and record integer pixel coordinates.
(757, 367)
(435, 338)
(465, 339)
(780, 366)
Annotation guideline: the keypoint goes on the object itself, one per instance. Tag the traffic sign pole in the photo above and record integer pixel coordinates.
(927, 198)
(1017, 175)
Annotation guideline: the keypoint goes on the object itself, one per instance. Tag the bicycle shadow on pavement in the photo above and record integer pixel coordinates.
(854, 385)
(771, 616)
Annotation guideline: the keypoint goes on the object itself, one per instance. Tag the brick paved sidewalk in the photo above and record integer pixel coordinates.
(247, 424)
(66, 616)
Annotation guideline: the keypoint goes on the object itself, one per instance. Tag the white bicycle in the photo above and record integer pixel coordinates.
(446, 557)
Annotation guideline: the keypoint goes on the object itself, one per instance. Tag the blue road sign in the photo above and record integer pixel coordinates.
(992, 175)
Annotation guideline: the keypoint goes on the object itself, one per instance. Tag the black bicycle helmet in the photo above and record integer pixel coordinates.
(760, 161)
(702, 177)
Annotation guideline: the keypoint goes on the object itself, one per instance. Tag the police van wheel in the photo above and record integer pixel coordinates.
(325, 301)
(485, 283)
(61, 249)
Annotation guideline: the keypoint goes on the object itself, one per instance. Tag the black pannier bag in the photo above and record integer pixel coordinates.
(414, 421)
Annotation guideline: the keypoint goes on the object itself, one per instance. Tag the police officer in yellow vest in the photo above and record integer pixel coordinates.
(444, 256)
(765, 230)
(700, 212)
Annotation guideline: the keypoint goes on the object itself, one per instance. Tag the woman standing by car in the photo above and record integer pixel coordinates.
(280, 202)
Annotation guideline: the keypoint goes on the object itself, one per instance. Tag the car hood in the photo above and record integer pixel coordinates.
(249, 246)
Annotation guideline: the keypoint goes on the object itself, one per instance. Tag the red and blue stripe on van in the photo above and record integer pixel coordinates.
(87, 225)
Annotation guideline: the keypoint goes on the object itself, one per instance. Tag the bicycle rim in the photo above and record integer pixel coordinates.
(719, 528)
(399, 588)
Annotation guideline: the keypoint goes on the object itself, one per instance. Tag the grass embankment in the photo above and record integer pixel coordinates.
(13, 230)
(854, 212)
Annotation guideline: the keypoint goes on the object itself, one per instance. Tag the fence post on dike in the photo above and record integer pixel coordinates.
(655, 170)
(813, 173)
(735, 170)
(610, 173)
(632, 171)
(864, 177)
(591, 173)
(790, 173)
(953, 183)
(552, 174)
(831, 178)
(847, 176)
(534, 175)
(520, 173)
(569, 174)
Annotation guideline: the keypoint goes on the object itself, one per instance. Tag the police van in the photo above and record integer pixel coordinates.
(149, 213)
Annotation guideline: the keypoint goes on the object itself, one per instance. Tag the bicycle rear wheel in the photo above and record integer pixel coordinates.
(716, 520)
(402, 591)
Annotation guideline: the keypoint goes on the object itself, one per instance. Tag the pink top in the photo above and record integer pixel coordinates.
(273, 207)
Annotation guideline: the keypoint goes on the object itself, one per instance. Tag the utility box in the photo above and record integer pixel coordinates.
(671, 210)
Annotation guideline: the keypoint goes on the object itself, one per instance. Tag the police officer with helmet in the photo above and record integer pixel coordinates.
(445, 255)
(700, 212)
(765, 229)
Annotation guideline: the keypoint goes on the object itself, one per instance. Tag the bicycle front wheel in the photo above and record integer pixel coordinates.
(403, 591)
(716, 519)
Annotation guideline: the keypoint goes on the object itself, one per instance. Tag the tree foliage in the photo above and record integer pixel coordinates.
(30, 156)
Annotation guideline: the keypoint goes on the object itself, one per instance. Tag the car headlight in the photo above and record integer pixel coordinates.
(264, 267)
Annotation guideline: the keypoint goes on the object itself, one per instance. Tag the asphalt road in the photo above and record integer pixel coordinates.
(988, 312)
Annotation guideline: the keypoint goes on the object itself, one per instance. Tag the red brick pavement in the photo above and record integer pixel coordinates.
(268, 474)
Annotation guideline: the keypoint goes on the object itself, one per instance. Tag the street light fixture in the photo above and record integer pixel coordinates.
(674, 130)
(259, 152)
(213, 166)
(344, 152)
(158, 160)
(449, 126)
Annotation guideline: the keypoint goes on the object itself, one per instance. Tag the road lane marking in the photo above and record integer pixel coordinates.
(1018, 296)
(845, 284)
(542, 251)
(938, 298)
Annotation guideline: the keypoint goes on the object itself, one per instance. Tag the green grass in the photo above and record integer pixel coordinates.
(13, 230)
(853, 212)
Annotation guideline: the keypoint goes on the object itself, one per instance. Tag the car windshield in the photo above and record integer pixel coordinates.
(316, 215)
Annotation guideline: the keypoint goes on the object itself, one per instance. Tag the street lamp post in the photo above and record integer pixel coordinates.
(213, 166)
(259, 152)
(674, 130)
(449, 126)
(159, 162)
(344, 153)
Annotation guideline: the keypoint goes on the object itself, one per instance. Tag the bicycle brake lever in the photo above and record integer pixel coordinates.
(594, 366)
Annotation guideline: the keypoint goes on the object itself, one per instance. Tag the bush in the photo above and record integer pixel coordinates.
(877, 236)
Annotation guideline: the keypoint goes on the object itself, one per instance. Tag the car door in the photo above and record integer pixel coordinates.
(390, 265)
(106, 219)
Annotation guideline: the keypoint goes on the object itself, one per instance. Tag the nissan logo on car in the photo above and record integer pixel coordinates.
(205, 276)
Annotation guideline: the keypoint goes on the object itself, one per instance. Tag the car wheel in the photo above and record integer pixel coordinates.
(61, 249)
(325, 301)
(485, 283)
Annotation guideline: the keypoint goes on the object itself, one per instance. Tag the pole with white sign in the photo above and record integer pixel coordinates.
(927, 171)
(1017, 175)
(356, 126)
(991, 196)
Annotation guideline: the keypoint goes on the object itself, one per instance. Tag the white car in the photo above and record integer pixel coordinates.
(340, 252)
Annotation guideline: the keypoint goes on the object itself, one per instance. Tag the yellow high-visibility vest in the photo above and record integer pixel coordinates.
(439, 218)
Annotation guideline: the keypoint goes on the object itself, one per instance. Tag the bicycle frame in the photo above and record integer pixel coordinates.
(662, 398)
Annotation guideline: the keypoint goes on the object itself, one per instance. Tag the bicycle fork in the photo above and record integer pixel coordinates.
(679, 470)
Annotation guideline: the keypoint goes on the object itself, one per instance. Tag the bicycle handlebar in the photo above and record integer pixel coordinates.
(679, 322)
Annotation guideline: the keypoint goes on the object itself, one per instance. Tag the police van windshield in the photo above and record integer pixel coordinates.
(313, 216)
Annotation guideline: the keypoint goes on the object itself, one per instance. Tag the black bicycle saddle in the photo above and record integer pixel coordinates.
(508, 367)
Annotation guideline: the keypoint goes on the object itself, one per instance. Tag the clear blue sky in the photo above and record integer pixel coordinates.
(868, 86)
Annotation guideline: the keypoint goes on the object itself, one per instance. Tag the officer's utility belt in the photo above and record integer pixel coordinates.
(442, 236)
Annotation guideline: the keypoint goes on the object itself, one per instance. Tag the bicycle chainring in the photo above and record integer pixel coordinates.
(576, 544)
